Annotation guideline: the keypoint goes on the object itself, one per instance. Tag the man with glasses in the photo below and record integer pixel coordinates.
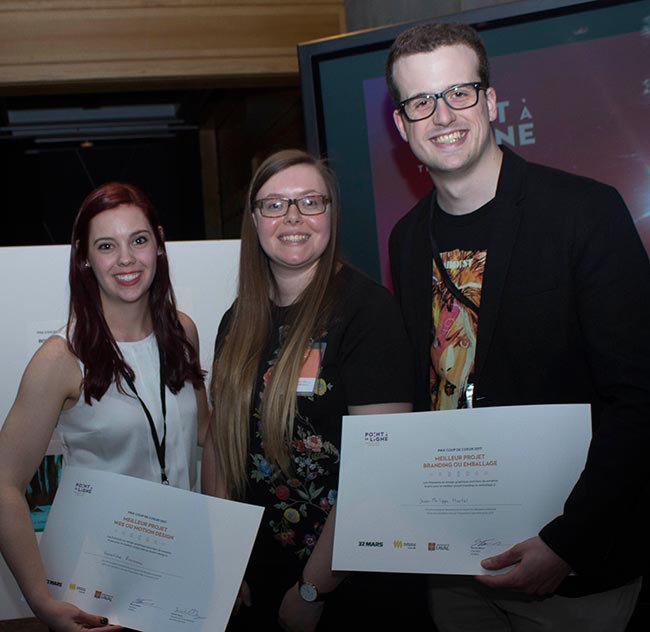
(521, 284)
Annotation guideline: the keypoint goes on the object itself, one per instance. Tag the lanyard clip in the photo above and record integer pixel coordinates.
(469, 395)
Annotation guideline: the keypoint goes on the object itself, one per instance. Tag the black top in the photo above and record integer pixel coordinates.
(365, 360)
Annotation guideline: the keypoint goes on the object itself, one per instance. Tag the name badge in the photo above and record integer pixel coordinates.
(310, 369)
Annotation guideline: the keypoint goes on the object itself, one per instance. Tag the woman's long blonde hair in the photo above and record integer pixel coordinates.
(240, 352)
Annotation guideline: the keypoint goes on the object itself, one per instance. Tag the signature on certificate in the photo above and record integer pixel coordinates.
(140, 602)
(458, 500)
(480, 545)
(187, 614)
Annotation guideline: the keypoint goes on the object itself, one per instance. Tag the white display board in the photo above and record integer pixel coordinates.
(34, 290)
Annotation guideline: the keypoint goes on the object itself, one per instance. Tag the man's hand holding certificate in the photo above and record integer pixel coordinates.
(438, 492)
(145, 555)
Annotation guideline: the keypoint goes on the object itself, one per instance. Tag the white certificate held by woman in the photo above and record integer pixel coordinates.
(437, 492)
(145, 555)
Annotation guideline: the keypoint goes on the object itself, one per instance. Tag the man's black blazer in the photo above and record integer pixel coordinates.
(565, 318)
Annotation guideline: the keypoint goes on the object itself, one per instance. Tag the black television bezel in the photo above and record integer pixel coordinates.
(310, 54)
(358, 222)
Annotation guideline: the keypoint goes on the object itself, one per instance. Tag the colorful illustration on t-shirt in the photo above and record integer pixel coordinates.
(42, 489)
(455, 327)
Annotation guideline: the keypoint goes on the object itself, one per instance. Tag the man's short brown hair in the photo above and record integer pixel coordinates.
(425, 38)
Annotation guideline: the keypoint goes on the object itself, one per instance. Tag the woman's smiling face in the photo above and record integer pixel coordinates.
(122, 252)
(293, 243)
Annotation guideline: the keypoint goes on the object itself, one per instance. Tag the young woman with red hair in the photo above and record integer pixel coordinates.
(122, 383)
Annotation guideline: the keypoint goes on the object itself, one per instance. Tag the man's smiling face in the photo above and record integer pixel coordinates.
(449, 141)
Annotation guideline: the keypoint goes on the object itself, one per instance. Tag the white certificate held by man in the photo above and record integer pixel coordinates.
(437, 492)
(145, 555)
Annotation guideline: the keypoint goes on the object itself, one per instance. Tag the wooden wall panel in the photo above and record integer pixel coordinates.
(74, 42)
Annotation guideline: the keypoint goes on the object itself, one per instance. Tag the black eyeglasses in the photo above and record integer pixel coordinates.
(460, 97)
(279, 206)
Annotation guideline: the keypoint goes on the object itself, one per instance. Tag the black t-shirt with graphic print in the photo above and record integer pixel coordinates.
(462, 242)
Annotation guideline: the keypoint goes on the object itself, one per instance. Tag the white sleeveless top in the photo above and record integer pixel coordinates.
(114, 435)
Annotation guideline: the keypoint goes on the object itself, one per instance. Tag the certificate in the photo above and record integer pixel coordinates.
(145, 555)
(437, 492)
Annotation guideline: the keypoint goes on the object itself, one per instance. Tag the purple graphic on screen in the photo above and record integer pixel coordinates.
(582, 107)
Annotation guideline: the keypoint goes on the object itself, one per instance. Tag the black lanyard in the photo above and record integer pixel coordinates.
(451, 286)
(159, 445)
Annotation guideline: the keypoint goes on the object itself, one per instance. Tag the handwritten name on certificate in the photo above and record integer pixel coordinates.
(437, 492)
(145, 555)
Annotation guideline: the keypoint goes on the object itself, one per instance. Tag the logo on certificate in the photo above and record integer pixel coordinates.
(82, 488)
(102, 595)
(375, 438)
(400, 544)
(436, 546)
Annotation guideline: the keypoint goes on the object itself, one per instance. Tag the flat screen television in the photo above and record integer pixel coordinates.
(573, 86)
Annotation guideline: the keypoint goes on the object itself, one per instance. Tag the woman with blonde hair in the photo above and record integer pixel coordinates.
(308, 340)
